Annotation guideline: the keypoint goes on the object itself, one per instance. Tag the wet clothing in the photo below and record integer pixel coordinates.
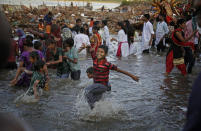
(123, 47)
(102, 70)
(25, 58)
(189, 59)
(25, 79)
(73, 54)
(161, 31)
(80, 39)
(74, 68)
(106, 36)
(94, 93)
(75, 75)
(63, 67)
(146, 35)
(191, 26)
(36, 76)
(175, 55)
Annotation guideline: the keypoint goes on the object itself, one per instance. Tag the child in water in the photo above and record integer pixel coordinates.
(101, 68)
(71, 57)
(37, 79)
(36, 83)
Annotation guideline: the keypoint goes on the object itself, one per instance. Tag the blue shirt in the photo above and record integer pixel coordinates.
(72, 54)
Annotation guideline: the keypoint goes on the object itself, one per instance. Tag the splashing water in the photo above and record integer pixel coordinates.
(26, 98)
(106, 108)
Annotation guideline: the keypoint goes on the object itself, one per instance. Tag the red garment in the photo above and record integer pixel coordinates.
(41, 27)
(170, 65)
(186, 44)
(99, 42)
(102, 70)
(119, 49)
(168, 19)
(170, 56)
(12, 57)
(91, 24)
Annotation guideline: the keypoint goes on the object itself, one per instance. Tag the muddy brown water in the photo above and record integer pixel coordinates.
(155, 103)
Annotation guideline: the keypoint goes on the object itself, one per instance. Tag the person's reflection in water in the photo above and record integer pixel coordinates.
(8, 122)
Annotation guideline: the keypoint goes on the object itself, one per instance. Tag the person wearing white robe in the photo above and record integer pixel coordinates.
(122, 40)
(81, 39)
(106, 33)
(147, 34)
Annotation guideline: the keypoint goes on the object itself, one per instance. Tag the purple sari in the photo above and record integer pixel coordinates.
(25, 79)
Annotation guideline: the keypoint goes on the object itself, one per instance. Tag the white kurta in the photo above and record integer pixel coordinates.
(79, 40)
(146, 35)
(161, 30)
(122, 38)
(106, 35)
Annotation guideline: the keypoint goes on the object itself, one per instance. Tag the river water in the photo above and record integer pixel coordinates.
(155, 103)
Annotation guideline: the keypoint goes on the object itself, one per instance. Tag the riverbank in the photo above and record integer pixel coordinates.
(94, 1)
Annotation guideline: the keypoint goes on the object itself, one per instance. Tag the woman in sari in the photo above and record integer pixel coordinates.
(175, 55)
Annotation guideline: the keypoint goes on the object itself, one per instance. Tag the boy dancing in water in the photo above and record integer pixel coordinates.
(101, 68)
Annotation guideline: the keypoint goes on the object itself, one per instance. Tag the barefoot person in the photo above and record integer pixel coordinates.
(175, 55)
(101, 68)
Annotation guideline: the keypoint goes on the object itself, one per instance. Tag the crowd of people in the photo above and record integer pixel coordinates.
(56, 45)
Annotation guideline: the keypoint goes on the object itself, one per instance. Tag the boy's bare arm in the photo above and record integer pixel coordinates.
(128, 74)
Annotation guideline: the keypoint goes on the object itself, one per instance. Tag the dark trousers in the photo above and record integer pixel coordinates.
(146, 51)
(160, 46)
(189, 59)
(94, 93)
(75, 75)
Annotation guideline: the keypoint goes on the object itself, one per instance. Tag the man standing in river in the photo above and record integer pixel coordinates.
(147, 34)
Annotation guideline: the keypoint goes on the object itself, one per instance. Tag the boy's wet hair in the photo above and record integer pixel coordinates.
(90, 70)
(37, 45)
(69, 42)
(38, 65)
(34, 55)
(49, 42)
(104, 47)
